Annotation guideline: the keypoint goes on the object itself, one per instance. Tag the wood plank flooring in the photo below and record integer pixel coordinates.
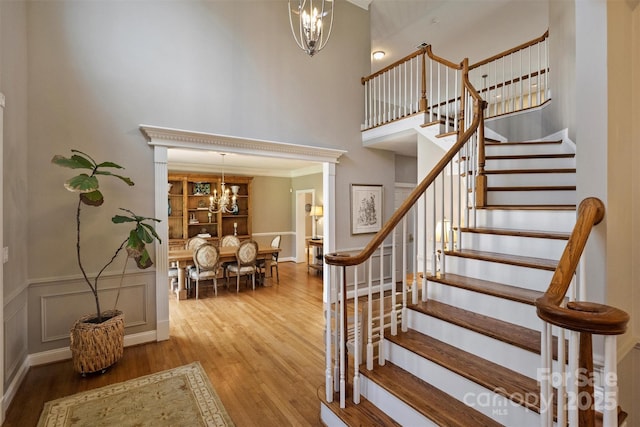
(262, 350)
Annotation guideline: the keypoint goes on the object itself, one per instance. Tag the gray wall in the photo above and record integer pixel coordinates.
(406, 169)
(99, 69)
(13, 84)
(271, 204)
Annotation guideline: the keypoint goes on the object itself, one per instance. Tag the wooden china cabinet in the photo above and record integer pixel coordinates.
(188, 208)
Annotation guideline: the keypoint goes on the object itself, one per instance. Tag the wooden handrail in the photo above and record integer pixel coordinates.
(422, 50)
(585, 317)
(363, 80)
(342, 260)
(510, 51)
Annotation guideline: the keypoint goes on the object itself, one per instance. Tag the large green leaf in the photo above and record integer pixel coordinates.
(110, 165)
(144, 260)
(82, 183)
(151, 229)
(74, 162)
(119, 219)
(94, 198)
(123, 178)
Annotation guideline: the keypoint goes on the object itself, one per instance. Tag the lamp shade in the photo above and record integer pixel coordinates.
(316, 211)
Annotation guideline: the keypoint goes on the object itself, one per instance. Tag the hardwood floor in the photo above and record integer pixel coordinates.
(262, 350)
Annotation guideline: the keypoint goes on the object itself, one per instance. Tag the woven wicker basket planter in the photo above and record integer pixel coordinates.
(96, 346)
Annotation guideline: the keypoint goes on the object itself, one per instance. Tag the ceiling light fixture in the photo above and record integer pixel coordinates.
(378, 55)
(311, 21)
(225, 202)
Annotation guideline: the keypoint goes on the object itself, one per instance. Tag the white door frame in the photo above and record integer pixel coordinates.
(301, 220)
(163, 138)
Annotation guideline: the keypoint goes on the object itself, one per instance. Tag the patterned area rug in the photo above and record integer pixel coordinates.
(177, 397)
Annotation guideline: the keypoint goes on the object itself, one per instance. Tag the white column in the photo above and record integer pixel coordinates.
(162, 250)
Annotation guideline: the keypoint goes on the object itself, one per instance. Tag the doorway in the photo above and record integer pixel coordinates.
(304, 200)
(164, 138)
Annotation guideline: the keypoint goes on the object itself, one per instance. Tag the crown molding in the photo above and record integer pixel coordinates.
(361, 3)
(178, 138)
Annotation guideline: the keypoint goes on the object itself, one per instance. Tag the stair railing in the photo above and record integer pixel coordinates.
(515, 79)
(418, 83)
(440, 203)
(576, 402)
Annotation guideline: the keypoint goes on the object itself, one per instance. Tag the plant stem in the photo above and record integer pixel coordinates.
(124, 267)
(94, 286)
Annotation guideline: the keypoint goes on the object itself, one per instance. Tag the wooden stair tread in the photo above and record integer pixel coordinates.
(530, 207)
(519, 336)
(363, 414)
(506, 382)
(519, 233)
(518, 260)
(531, 156)
(525, 171)
(500, 290)
(523, 143)
(426, 399)
(535, 188)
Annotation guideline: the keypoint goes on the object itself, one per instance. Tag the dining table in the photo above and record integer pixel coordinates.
(184, 257)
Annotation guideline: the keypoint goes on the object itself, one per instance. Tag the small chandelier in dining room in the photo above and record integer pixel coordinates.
(226, 201)
(309, 20)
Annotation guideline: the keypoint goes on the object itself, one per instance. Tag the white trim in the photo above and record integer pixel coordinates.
(64, 353)
(242, 170)
(361, 3)
(178, 138)
(14, 386)
(405, 185)
(275, 233)
(161, 139)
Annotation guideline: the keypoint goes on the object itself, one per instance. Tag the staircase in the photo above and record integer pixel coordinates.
(471, 353)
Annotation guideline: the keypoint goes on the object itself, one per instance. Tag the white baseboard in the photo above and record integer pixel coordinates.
(13, 387)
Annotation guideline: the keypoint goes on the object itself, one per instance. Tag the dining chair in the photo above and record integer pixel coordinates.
(206, 259)
(228, 240)
(193, 243)
(245, 262)
(272, 260)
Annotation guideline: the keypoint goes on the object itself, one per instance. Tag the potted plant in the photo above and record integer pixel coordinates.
(97, 339)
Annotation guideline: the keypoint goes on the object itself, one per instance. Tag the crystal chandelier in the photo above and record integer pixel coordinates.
(226, 202)
(311, 21)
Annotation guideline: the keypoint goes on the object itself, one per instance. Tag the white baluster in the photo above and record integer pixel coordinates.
(357, 326)
(610, 410)
(381, 355)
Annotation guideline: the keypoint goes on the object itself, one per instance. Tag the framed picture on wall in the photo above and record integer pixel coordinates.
(366, 208)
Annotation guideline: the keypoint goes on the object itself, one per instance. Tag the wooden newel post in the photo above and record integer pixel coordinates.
(423, 82)
(481, 179)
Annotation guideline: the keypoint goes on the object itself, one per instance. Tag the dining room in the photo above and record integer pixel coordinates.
(214, 197)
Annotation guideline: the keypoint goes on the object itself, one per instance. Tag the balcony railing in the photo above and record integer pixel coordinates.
(422, 82)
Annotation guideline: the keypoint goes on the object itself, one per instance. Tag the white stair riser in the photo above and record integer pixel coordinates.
(524, 277)
(514, 245)
(516, 198)
(535, 163)
(329, 418)
(531, 179)
(487, 305)
(485, 401)
(391, 405)
(501, 353)
(527, 219)
(524, 149)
